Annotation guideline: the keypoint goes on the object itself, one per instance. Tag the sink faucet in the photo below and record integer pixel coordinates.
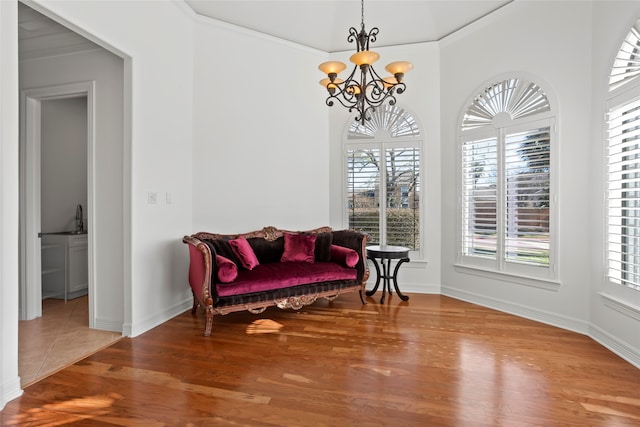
(79, 221)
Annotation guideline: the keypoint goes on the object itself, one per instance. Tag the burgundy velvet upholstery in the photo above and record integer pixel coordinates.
(196, 269)
(344, 256)
(244, 252)
(227, 269)
(284, 274)
(323, 247)
(267, 251)
(299, 247)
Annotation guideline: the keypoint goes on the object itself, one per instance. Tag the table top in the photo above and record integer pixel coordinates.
(388, 251)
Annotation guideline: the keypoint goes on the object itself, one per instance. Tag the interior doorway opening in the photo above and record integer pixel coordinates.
(59, 161)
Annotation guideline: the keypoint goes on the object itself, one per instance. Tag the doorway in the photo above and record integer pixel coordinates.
(36, 160)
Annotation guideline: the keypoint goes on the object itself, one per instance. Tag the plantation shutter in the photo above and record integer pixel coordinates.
(383, 177)
(398, 187)
(402, 200)
(363, 181)
(527, 188)
(480, 197)
(623, 186)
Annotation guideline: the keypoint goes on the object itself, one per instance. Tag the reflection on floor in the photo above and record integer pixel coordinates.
(59, 338)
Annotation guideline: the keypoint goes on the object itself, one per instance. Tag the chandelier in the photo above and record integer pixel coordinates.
(363, 91)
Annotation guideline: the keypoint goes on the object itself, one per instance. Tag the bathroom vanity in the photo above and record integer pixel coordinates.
(65, 270)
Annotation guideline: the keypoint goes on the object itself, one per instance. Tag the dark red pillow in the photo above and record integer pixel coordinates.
(346, 256)
(299, 247)
(243, 251)
(227, 269)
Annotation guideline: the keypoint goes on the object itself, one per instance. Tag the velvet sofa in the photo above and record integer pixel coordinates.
(271, 267)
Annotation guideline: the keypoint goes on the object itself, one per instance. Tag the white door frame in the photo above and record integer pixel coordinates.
(30, 255)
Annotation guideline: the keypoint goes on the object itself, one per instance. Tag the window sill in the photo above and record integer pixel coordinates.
(536, 282)
(620, 306)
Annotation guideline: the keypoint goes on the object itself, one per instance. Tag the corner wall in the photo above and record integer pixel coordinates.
(553, 41)
(9, 379)
(422, 99)
(614, 314)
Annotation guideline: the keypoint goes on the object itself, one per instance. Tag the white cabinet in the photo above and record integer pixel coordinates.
(64, 265)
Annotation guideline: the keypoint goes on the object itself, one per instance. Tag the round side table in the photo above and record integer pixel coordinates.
(388, 253)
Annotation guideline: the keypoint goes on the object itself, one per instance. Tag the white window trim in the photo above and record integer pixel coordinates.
(615, 294)
(500, 269)
(418, 258)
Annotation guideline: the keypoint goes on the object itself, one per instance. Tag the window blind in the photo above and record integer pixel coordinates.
(480, 197)
(387, 205)
(527, 167)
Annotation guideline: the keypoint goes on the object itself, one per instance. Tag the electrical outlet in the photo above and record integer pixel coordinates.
(152, 197)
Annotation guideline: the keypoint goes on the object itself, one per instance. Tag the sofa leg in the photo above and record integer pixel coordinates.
(208, 323)
(195, 305)
(362, 297)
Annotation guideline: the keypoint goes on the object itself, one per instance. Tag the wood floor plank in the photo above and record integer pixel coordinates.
(430, 361)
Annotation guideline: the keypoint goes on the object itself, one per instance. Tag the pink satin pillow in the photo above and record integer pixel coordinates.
(244, 252)
(227, 269)
(345, 256)
(299, 247)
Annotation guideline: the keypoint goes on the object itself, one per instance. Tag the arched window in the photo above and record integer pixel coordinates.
(506, 137)
(626, 66)
(383, 177)
(623, 164)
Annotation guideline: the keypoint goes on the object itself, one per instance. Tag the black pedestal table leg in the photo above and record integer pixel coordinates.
(375, 288)
(395, 279)
(386, 269)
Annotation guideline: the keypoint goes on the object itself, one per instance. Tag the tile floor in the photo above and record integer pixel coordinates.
(59, 338)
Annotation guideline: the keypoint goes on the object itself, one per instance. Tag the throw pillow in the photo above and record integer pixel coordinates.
(227, 269)
(299, 247)
(242, 249)
(346, 256)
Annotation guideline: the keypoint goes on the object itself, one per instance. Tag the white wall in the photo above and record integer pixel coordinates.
(156, 154)
(614, 314)
(106, 70)
(9, 380)
(260, 151)
(550, 40)
(422, 99)
(63, 159)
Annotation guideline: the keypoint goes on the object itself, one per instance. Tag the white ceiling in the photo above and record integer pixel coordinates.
(324, 24)
(40, 36)
(319, 24)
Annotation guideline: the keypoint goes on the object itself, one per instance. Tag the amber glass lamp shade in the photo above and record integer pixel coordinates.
(399, 68)
(332, 67)
(364, 57)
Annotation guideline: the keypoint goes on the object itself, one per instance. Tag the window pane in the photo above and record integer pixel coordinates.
(479, 192)
(623, 170)
(402, 197)
(363, 180)
(527, 164)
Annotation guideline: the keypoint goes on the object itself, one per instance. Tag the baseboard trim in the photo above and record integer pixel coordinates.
(622, 349)
(9, 391)
(106, 325)
(549, 318)
(158, 318)
(625, 351)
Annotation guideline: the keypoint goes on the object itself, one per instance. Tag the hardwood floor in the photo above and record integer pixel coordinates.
(431, 361)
